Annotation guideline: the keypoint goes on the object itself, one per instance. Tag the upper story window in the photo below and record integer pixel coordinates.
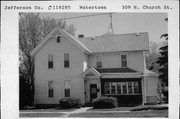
(66, 60)
(99, 61)
(50, 89)
(50, 61)
(58, 39)
(124, 60)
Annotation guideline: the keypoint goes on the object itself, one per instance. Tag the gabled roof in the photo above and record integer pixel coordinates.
(67, 35)
(117, 42)
(105, 43)
(116, 70)
(90, 71)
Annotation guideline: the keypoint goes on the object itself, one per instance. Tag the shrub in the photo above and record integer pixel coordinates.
(70, 102)
(105, 102)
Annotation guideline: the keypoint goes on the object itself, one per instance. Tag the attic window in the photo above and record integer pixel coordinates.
(58, 39)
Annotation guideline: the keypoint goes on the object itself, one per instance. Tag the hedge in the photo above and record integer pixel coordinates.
(70, 102)
(105, 102)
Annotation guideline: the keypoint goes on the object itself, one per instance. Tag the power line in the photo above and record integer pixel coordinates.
(83, 16)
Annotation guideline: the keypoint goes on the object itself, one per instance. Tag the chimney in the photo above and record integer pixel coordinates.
(92, 38)
(81, 36)
(137, 34)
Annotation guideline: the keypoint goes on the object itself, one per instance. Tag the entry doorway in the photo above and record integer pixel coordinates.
(93, 91)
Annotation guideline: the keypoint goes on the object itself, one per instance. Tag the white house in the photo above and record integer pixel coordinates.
(87, 68)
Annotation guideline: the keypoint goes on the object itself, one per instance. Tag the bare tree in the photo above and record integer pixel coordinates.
(153, 56)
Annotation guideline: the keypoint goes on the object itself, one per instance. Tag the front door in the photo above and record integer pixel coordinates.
(93, 91)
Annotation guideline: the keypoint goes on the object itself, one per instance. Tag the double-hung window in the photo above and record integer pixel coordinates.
(66, 60)
(124, 61)
(99, 61)
(67, 88)
(50, 61)
(58, 39)
(50, 89)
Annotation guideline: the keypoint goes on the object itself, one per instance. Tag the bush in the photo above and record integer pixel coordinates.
(105, 102)
(70, 102)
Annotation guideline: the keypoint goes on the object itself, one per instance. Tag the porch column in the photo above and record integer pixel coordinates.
(99, 86)
(143, 83)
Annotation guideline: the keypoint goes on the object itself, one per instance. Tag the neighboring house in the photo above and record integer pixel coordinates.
(87, 68)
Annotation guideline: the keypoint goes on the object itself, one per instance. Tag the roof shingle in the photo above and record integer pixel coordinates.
(116, 70)
(117, 42)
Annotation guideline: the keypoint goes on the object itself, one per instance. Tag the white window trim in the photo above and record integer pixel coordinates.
(101, 60)
(126, 58)
(48, 62)
(49, 88)
(69, 61)
(67, 88)
(60, 39)
(126, 83)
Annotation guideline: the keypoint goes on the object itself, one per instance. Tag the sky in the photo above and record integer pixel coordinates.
(153, 23)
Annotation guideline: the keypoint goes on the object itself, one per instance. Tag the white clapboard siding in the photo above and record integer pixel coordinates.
(58, 74)
(113, 60)
(151, 86)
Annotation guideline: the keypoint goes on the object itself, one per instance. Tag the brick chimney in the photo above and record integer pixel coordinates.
(81, 36)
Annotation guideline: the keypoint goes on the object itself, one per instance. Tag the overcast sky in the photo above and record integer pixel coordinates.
(122, 23)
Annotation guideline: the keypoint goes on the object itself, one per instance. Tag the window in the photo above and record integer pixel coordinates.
(130, 91)
(121, 88)
(113, 88)
(99, 61)
(124, 60)
(118, 88)
(124, 88)
(67, 88)
(66, 60)
(50, 61)
(107, 88)
(58, 39)
(136, 88)
(50, 89)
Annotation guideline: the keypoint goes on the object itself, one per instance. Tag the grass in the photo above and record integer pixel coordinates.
(136, 111)
(49, 110)
(41, 114)
(133, 108)
(152, 113)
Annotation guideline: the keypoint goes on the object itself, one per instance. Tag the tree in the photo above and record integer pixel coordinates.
(152, 57)
(163, 63)
(33, 29)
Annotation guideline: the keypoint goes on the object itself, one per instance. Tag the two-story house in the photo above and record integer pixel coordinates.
(87, 68)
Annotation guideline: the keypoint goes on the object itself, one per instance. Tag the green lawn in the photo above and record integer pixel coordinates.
(151, 113)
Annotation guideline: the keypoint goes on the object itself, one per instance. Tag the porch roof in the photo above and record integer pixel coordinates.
(116, 70)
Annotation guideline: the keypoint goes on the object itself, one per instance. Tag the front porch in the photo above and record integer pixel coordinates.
(124, 84)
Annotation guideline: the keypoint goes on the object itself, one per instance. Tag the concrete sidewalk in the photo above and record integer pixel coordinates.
(81, 110)
(64, 113)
